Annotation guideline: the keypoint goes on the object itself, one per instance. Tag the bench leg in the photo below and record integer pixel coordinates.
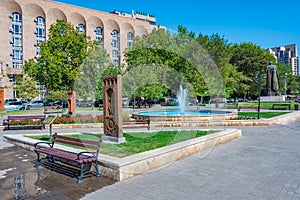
(39, 161)
(81, 174)
(97, 169)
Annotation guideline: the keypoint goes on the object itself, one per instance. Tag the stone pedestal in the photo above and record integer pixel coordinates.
(112, 140)
(272, 98)
(71, 103)
(112, 109)
(2, 99)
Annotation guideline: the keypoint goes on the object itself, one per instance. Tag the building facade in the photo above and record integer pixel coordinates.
(287, 55)
(25, 23)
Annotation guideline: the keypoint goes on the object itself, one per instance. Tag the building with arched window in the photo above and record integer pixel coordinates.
(25, 23)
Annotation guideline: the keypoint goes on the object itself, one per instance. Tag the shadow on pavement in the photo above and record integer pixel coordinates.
(19, 179)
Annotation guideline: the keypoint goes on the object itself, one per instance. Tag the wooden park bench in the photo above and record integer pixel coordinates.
(281, 106)
(53, 109)
(24, 122)
(83, 161)
(137, 123)
(247, 108)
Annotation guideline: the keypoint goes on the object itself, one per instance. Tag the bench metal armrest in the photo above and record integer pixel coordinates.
(48, 143)
(92, 154)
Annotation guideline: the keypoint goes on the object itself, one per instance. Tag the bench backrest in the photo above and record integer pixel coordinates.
(90, 144)
(139, 121)
(25, 117)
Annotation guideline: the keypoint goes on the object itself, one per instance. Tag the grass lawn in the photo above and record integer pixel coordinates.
(262, 114)
(263, 105)
(21, 112)
(138, 142)
(89, 108)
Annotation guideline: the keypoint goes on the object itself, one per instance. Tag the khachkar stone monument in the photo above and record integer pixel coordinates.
(112, 105)
(71, 102)
(272, 80)
(2, 99)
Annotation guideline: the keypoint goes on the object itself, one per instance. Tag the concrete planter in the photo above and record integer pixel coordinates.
(124, 168)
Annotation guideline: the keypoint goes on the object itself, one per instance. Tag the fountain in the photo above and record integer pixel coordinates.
(180, 114)
(182, 98)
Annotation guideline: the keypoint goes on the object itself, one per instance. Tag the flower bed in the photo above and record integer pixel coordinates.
(83, 119)
(25, 122)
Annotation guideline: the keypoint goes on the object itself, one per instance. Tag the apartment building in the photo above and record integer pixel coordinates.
(25, 23)
(288, 55)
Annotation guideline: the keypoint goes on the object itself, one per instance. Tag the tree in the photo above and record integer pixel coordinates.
(151, 91)
(251, 60)
(171, 61)
(91, 72)
(27, 88)
(292, 81)
(111, 70)
(219, 50)
(60, 58)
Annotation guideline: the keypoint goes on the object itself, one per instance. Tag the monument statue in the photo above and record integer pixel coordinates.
(112, 110)
(272, 80)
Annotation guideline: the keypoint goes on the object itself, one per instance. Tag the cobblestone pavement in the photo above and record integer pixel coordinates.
(262, 164)
(19, 179)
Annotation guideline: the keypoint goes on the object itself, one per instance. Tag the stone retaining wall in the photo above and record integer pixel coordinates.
(124, 168)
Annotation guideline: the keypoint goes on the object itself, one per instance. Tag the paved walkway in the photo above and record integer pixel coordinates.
(263, 164)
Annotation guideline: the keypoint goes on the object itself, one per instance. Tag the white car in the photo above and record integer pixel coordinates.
(17, 105)
(36, 104)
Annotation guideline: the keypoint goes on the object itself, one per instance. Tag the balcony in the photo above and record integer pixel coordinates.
(10, 70)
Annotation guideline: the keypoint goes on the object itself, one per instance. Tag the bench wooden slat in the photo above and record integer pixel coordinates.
(77, 144)
(281, 105)
(82, 159)
(20, 117)
(66, 155)
(8, 123)
(76, 140)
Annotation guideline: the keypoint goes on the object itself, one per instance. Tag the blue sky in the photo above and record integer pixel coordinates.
(264, 22)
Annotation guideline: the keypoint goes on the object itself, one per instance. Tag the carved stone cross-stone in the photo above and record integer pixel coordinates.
(112, 105)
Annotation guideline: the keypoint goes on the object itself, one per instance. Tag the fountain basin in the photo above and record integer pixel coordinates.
(188, 115)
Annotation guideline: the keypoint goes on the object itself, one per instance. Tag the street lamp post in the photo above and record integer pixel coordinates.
(285, 86)
(259, 92)
(134, 97)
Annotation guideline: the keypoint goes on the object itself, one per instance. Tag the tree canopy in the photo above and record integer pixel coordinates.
(60, 57)
(201, 63)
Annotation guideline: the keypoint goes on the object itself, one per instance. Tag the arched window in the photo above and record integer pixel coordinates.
(17, 40)
(40, 33)
(144, 36)
(129, 39)
(81, 28)
(99, 33)
(115, 48)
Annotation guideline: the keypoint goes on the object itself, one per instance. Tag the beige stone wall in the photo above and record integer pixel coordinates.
(51, 11)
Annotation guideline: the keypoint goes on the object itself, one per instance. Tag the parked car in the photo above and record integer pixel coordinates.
(230, 100)
(6, 101)
(61, 103)
(36, 104)
(125, 102)
(16, 105)
(25, 104)
(98, 103)
(84, 103)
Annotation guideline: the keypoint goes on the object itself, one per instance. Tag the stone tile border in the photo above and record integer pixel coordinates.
(124, 168)
(283, 119)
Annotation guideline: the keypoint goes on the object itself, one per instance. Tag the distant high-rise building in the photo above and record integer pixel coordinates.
(287, 55)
